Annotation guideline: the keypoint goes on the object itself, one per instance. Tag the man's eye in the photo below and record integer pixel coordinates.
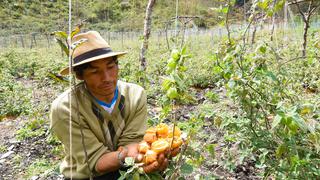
(93, 71)
(111, 66)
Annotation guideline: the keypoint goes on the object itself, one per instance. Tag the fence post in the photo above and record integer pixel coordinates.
(48, 40)
(109, 39)
(15, 42)
(122, 38)
(33, 40)
(22, 41)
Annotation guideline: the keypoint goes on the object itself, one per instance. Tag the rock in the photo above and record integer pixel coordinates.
(11, 148)
(7, 154)
(13, 141)
(2, 161)
(34, 177)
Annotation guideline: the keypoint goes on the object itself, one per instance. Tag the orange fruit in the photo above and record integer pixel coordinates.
(151, 130)
(150, 157)
(150, 137)
(143, 147)
(177, 142)
(162, 130)
(160, 146)
(177, 132)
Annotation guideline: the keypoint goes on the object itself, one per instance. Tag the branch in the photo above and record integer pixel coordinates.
(297, 2)
(301, 12)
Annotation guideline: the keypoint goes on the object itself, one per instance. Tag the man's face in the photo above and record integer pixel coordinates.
(101, 78)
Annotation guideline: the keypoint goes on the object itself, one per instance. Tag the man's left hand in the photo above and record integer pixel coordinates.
(159, 165)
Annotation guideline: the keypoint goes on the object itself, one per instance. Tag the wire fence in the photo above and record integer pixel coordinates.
(39, 40)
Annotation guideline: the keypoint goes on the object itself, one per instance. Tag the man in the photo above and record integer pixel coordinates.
(108, 116)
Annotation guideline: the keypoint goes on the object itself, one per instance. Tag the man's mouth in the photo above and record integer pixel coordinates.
(105, 86)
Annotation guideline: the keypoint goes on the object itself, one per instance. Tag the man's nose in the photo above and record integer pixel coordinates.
(105, 76)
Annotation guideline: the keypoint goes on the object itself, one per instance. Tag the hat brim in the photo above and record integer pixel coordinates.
(65, 71)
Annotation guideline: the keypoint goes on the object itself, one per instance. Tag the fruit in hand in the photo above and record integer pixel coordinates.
(150, 157)
(158, 140)
(177, 132)
(151, 135)
(162, 130)
(177, 142)
(143, 147)
(160, 146)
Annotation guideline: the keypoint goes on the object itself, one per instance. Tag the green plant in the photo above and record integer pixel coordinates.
(14, 97)
(268, 124)
(3, 148)
(212, 96)
(31, 129)
(40, 167)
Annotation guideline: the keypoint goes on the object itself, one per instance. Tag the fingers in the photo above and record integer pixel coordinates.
(164, 165)
(151, 167)
(139, 158)
(161, 158)
(161, 164)
(175, 152)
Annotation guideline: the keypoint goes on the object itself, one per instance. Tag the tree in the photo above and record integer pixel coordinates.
(306, 15)
(146, 34)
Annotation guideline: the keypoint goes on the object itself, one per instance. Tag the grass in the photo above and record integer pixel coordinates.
(40, 167)
(3, 148)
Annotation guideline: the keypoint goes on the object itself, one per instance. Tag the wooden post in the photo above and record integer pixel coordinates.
(22, 41)
(146, 34)
(122, 38)
(48, 40)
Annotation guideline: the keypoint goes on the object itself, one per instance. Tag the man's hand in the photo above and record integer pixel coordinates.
(162, 162)
(174, 152)
(132, 150)
(159, 165)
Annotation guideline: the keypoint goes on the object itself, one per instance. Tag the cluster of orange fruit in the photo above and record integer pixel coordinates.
(158, 140)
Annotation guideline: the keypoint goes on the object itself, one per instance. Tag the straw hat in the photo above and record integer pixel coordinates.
(94, 48)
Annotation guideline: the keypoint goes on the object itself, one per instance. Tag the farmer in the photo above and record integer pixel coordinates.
(108, 116)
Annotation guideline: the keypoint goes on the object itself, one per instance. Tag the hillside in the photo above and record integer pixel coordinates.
(24, 16)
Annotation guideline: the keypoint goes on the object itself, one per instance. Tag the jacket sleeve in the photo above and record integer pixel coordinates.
(137, 121)
(61, 128)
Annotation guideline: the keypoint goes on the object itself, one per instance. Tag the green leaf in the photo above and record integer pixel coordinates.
(263, 49)
(184, 50)
(60, 34)
(57, 78)
(279, 5)
(224, 10)
(76, 30)
(179, 81)
(263, 5)
(172, 93)
(306, 109)
(136, 176)
(186, 169)
(280, 150)
(276, 121)
(271, 75)
(63, 47)
(211, 149)
(175, 54)
(172, 63)
(166, 84)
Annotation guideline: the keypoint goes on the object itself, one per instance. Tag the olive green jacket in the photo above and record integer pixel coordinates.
(102, 132)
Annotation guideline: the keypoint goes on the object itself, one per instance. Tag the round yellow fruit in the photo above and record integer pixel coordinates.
(160, 146)
(143, 147)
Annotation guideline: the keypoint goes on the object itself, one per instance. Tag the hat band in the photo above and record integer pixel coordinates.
(90, 54)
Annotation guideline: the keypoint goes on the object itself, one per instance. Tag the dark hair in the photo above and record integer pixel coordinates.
(80, 69)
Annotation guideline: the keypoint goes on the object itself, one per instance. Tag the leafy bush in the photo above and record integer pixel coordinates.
(274, 127)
